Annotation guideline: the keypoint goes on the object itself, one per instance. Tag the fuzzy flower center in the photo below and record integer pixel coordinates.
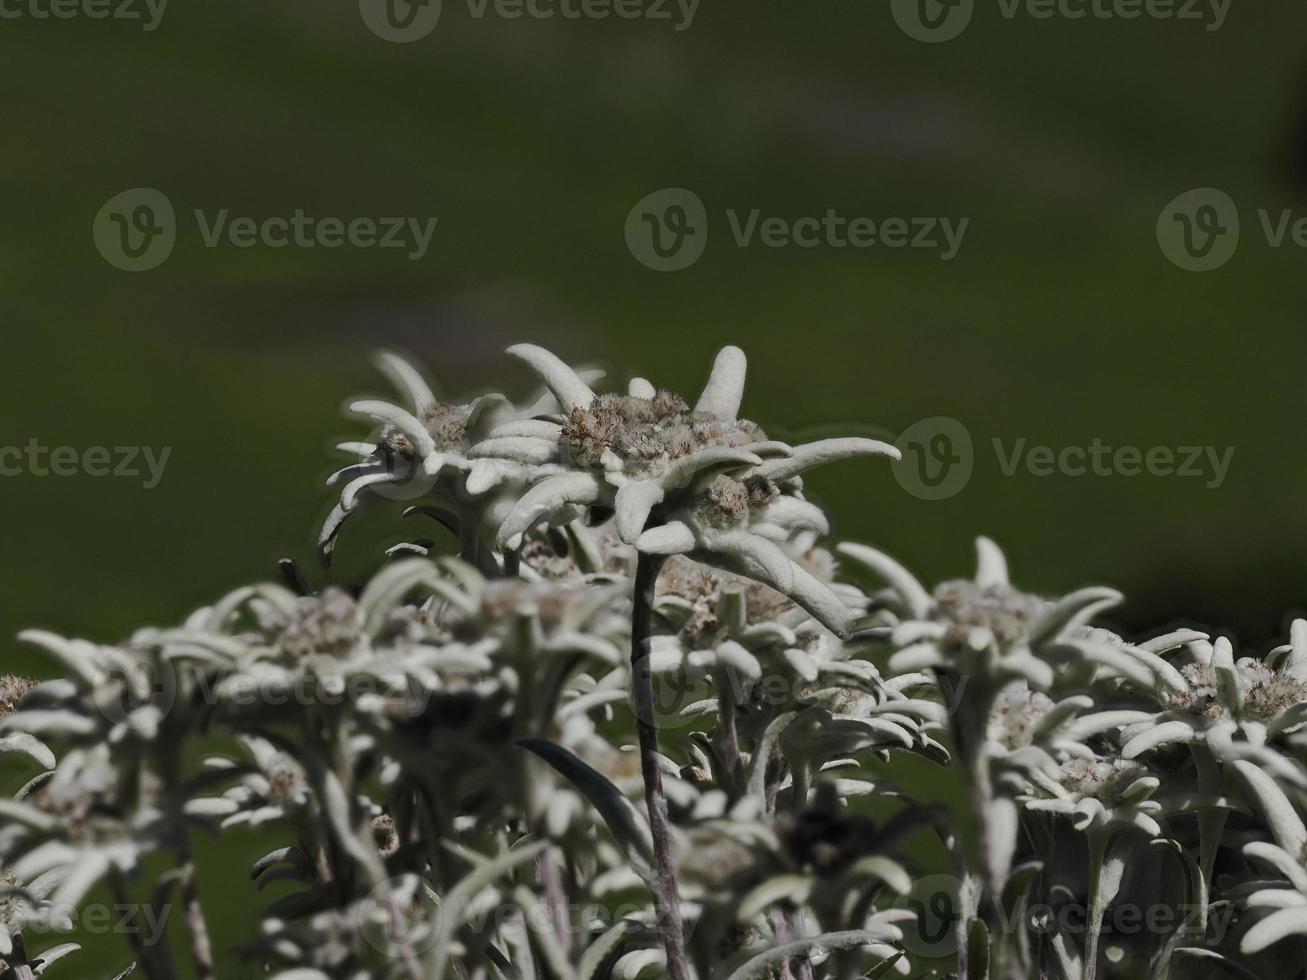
(703, 585)
(1016, 714)
(728, 502)
(87, 805)
(1263, 692)
(1006, 612)
(1105, 780)
(328, 623)
(12, 691)
(647, 433)
(444, 422)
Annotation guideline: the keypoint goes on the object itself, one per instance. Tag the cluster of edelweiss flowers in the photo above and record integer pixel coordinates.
(636, 718)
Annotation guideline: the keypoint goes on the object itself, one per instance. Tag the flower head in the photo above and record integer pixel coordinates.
(691, 481)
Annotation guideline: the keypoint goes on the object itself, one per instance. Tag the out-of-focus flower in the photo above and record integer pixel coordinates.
(1100, 793)
(86, 820)
(12, 691)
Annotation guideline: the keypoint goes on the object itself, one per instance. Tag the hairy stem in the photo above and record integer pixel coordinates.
(667, 898)
(18, 961)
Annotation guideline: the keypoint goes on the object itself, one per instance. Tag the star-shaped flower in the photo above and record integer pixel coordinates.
(1237, 707)
(694, 481)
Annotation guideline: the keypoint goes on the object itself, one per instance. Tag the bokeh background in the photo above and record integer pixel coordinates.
(1060, 319)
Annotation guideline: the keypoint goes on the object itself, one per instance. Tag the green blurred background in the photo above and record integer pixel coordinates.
(1060, 320)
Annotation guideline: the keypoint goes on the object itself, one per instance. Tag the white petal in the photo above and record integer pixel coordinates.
(912, 592)
(640, 388)
(633, 504)
(1171, 731)
(1273, 928)
(991, 566)
(725, 388)
(406, 378)
(672, 538)
(566, 385)
(824, 451)
(405, 422)
(1279, 813)
(543, 499)
(519, 449)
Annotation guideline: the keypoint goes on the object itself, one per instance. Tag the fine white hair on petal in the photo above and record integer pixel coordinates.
(560, 379)
(1278, 812)
(349, 496)
(725, 388)
(823, 451)
(991, 566)
(633, 504)
(405, 422)
(700, 463)
(544, 498)
(640, 388)
(793, 514)
(672, 538)
(405, 377)
(519, 449)
(1276, 926)
(902, 581)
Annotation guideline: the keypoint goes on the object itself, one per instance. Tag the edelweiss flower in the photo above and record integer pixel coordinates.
(719, 620)
(1100, 793)
(12, 691)
(985, 628)
(424, 448)
(276, 788)
(77, 826)
(1236, 707)
(700, 482)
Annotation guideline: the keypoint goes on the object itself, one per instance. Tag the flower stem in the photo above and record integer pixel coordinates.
(196, 925)
(667, 898)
